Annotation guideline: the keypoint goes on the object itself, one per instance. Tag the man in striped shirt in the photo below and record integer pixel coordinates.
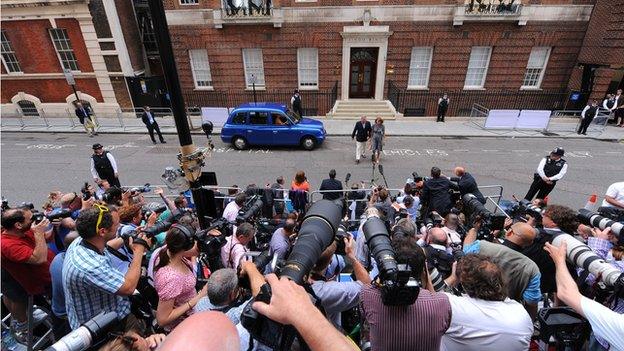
(419, 326)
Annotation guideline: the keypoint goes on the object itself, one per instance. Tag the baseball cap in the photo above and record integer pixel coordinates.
(97, 146)
(558, 151)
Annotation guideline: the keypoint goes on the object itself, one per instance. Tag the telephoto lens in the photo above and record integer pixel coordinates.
(82, 338)
(378, 241)
(316, 234)
(595, 220)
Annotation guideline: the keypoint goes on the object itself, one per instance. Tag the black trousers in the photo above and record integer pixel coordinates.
(151, 129)
(110, 178)
(539, 188)
(441, 114)
(584, 125)
(298, 110)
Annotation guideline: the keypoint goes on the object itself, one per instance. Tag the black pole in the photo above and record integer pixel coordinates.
(75, 92)
(253, 86)
(161, 32)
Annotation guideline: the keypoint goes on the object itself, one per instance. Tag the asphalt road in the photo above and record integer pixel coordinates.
(34, 164)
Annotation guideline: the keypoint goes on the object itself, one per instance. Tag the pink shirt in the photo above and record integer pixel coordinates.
(233, 252)
(171, 284)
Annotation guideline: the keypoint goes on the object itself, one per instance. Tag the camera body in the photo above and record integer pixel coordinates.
(39, 216)
(524, 208)
(250, 209)
(341, 234)
(139, 190)
(476, 212)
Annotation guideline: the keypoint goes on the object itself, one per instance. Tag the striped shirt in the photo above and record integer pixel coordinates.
(90, 283)
(419, 326)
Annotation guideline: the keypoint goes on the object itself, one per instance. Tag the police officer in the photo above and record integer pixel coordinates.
(587, 116)
(550, 169)
(443, 103)
(103, 166)
(295, 102)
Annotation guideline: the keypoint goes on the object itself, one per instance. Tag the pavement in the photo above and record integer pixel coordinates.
(34, 164)
(409, 126)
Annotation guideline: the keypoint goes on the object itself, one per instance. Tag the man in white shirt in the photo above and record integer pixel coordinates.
(614, 196)
(486, 319)
(231, 210)
(550, 169)
(607, 324)
(234, 250)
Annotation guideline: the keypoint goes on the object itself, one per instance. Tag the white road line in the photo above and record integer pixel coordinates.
(613, 152)
(460, 150)
(21, 144)
(489, 150)
(521, 150)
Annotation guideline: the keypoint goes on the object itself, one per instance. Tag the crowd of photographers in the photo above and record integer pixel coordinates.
(429, 268)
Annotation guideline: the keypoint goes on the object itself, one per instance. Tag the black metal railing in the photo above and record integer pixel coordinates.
(315, 103)
(492, 8)
(425, 102)
(247, 8)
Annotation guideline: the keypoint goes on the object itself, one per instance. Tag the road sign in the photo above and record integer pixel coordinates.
(69, 76)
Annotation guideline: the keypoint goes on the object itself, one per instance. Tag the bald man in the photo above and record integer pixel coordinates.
(519, 236)
(467, 184)
(439, 259)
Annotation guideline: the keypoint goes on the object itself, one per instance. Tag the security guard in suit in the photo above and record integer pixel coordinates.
(550, 169)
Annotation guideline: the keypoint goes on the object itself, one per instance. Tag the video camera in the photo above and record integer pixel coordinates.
(398, 286)
(595, 220)
(316, 234)
(152, 207)
(341, 234)
(138, 190)
(210, 245)
(250, 209)
(524, 208)
(476, 212)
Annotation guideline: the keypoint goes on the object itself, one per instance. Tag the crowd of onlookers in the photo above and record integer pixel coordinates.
(480, 288)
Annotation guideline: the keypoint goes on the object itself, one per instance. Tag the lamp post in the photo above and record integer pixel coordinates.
(190, 157)
(253, 87)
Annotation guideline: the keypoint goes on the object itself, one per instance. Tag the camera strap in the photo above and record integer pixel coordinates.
(317, 301)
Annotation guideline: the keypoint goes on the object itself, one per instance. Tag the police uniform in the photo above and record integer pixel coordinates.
(587, 116)
(104, 166)
(551, 169)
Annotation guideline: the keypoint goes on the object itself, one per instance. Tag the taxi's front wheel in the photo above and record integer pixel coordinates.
(308, 143)
(239, 143)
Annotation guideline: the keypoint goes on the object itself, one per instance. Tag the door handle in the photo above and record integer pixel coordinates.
(275, 132)
(249, 131)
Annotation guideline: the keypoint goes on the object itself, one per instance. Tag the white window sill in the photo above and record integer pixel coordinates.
(530, 88)
(415, 87)
(474, 88)
(210, 88)
(257, 88)
(15, 73)
(308, 88)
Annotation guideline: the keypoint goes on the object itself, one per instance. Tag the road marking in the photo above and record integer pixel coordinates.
(49, 146)
(460, 150)
(614, 152)
(521, 150)
(489, 150)
(20, 144)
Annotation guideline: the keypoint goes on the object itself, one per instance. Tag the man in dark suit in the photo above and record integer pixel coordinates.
(332, 184)
(467, 184)
(362, 133)
(436, 194)
(84, 116)
(150, 122)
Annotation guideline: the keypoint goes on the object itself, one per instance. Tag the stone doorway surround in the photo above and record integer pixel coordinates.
(364, 36)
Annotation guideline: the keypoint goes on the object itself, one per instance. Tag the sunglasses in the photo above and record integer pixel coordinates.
(102, 209)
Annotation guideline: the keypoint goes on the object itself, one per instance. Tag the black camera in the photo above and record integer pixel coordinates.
(153, 207)
(316, 234)
(524, 208)
(5, 204)
(138, 190)
(595, 220)
(249, 210)
(39, 216)
(27, 206)
(341, 234)
(86, 194)
(397, 284)
(210, 245)
(476, 212)
(433, 220)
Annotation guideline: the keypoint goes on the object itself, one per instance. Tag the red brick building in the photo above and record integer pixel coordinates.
(524, 52)
(99, 41)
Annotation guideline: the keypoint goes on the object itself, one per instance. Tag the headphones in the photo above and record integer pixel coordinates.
(189, 237)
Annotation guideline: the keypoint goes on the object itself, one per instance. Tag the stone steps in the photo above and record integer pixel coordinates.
(355, 108)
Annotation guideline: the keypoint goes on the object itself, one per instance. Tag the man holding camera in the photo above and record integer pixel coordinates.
(90, 282)
(440, 260)
(25, 264)
(281, 239)
(467, 184)
(231, 210)
(418, 326)
(234, 250)
(103, 166)
(485, 318)
(436, 195)
(550, 169)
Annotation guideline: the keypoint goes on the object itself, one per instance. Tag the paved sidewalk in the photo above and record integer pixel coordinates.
(425, 127)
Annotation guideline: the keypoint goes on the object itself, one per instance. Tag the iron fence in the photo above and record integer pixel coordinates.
(315, 103)
(425, 102)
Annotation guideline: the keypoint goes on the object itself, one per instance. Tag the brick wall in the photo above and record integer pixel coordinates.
(49, 90)
(121, 92)
(131, 34)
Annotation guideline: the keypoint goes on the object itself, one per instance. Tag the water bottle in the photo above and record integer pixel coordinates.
(8, 342)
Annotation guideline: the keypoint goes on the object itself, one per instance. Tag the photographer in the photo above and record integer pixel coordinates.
(25, 264)
(613, 204)
(133, 341)
(436, 194)
(231, 210)
(337, 297)
(467, 184)
(440, 259)
(522, 274)
(486, 319)
(606, 324)
(175, 278)
(281, 240)
(418, 326)
(233, 252)
(380, 199)
(91, 283)
(451, 227)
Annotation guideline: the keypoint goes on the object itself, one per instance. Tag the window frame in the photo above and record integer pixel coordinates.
(7, 42)
(70, 50)
(183, 3)
(253, 114)
(248, 74)
(299, 68)
(542, 72)
(193, 69)
(409, 75)
(485, 69)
